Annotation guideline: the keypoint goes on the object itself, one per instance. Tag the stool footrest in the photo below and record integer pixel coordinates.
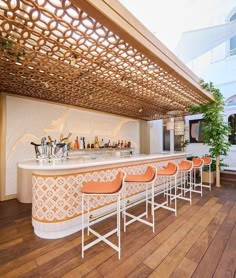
(101, 238)
(163, 205)
(138, 218)
(196, 191)
(180, 196)
(207, 186)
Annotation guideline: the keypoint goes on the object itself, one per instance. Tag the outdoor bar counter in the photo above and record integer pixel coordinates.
(56, 198)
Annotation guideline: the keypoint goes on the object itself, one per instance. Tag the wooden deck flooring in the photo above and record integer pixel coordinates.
(199, 242)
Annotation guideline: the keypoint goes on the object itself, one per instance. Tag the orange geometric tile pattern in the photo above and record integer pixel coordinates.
(58, 198)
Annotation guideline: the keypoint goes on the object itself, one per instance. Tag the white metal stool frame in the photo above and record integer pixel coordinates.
(100, 237)
(185, 178)
(195, 167)
(207, 161)
(149, 194)
(168, 187)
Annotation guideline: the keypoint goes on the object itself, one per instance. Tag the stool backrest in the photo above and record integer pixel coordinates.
(197, 162)
(105, 187)
(186, 165)
(116, 184)
(150, 173)
(207, 160)
(171, 169)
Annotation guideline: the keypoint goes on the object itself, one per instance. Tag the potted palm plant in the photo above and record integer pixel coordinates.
(214, 130)
(205, 173)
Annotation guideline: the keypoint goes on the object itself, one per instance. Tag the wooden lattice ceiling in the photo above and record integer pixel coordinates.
(72, 52)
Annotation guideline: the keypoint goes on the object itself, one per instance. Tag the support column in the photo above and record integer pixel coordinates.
(172, 137)
(144, 134)
(2, 146)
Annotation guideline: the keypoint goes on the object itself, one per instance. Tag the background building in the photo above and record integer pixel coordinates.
(203, 35)
(210, 52)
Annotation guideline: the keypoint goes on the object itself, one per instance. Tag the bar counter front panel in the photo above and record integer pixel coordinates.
(56, 197)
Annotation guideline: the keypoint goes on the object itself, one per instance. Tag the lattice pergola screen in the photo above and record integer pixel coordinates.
(54, 51)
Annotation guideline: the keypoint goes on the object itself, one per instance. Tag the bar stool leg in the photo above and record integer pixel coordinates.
(118, 225)
(124, 215)
(88, 204)
(147, 193)
(201, 180)
(175, 197)
(209, 171)
(153, 215)
(82, 226)
(190, 186)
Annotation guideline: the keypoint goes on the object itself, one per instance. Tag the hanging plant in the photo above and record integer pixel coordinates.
(7, 46)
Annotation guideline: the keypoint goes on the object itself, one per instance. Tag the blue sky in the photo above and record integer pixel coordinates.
(167, 19)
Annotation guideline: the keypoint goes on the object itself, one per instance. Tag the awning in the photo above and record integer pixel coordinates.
(195, 43)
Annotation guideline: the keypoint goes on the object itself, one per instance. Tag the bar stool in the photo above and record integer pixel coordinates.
(197, 166)
(91, 189)
(207, 161)
(185, 170)
(169, 173)
(148, 179)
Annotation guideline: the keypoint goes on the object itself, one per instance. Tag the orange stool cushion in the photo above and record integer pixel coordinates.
(185, 165)
(197, 162)
(146, 177)
(207, 160)
(93, 187)
(169, 170)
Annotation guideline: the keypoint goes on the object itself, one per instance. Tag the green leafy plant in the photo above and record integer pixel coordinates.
(214, 129)
(6, 46)
(184, 144)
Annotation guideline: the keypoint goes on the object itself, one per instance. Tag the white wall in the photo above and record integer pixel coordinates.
(230, 160)
(156, 136)
(28, 120)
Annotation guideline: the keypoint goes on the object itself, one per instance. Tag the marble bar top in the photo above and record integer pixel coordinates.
(83, 162)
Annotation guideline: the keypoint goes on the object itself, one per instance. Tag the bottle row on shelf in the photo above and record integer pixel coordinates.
(53, 149)
(97, 144)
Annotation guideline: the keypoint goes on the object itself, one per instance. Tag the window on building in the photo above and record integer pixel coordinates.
(232, 125)
(233, 39)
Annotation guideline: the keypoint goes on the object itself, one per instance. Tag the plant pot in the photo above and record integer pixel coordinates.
(205, 177)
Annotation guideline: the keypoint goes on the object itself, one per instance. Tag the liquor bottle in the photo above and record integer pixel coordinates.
(102, 144)
(88, 146)
(84, 145)
(81, 143)
(44, 146)
(129, 144)
(121, 144)
(96, 143)
(76, 143)
(50, 139)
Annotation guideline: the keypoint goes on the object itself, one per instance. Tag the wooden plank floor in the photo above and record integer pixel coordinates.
(199, 242)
